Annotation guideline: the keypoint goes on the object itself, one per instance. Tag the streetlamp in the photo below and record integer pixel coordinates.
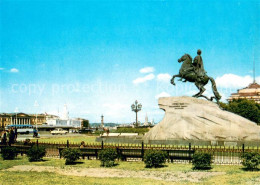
(16, 111)
(36, 105)
(136, 108)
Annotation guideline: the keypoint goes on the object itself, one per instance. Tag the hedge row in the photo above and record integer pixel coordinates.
(152, 158)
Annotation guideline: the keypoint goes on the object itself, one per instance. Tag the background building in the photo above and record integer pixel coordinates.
(21, 119)
(252, 92)
(40, 119)
(64, 120)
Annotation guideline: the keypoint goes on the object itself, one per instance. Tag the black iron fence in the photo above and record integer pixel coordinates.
(230, 155)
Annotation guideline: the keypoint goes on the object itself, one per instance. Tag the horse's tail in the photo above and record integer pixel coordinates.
(214, 89)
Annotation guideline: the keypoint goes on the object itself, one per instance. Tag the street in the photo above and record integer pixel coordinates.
(44, 134)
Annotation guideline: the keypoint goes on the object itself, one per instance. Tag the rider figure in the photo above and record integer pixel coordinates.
(198, 64)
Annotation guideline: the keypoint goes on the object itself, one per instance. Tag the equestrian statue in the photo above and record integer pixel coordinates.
(194, 72)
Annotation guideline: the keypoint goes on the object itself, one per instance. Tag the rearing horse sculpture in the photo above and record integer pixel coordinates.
(187, 72)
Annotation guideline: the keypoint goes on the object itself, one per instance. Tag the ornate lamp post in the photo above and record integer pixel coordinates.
(136, 108)
(36, 105)
(16, 111)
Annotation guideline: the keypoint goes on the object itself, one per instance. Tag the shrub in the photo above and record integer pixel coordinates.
(251, 160)
(132, 130)
(36, 153)
(202, 161)
(154, 158)
(71, 155)
(107, 157)
(8, 153)
(98, 132)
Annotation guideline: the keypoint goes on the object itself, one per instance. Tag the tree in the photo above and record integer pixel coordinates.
(245, 108)
(85, 123)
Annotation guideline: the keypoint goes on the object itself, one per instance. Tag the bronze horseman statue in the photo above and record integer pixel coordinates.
(194, 72)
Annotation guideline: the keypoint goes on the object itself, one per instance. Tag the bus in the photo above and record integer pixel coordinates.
(21, 129)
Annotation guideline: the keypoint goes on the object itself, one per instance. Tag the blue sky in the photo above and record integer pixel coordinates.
(89, 54)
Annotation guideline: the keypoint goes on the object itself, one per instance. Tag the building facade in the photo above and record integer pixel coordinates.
(252, 92)
(21, 119)
(77, 123)
(40, 119)
(64, 120)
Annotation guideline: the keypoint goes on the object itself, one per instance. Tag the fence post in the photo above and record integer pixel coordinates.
(142, 152)
(102, 145)
(118, 154)
(67, 143)
(243, 148)
(189, 152)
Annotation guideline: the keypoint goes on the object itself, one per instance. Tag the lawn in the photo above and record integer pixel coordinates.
(229, 174)
(72, 139)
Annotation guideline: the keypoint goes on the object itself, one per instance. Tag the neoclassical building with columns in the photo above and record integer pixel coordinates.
(21, 119)
(251, 92)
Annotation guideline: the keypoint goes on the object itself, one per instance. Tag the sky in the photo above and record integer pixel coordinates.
(98, 57)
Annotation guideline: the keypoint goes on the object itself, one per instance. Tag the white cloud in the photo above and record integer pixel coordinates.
(144, 79)
(147, 70)
(114, 106)
(191, 93)
(85, 112)
(53, 112)
(234, 81)
(257, 79)
(159, 112)
(162, 94)
(14, 70)
(165, 77)
(115, 109)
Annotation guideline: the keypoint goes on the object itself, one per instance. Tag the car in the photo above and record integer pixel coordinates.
(59, 131)
(85, 130)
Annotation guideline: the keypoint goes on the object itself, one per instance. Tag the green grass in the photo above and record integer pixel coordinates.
(10, 163)
(4, 164)
(233, 174)
(72, 139)
(31, 178)
(44, 178)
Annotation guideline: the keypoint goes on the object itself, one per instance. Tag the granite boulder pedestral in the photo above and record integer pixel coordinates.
(188, 118)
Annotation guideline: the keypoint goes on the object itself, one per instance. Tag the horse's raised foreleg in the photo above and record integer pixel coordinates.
(172, 80)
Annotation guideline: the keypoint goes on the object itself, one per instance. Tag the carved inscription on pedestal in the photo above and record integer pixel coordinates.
(179, 105)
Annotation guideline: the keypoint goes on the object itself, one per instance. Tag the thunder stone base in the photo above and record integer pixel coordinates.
(188, 118)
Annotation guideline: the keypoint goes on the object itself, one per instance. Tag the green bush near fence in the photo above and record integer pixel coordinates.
(107, 157)
(154, 158)
(8, 153)
(251, 160)
(71, 155)
(202, 161)
(36, 153)
(132, 130)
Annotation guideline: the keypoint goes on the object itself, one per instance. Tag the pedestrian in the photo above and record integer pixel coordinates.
(7, 136)
(4, 138)
(82, 144)
(35, 132)
(15, 134)
(11, 136)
